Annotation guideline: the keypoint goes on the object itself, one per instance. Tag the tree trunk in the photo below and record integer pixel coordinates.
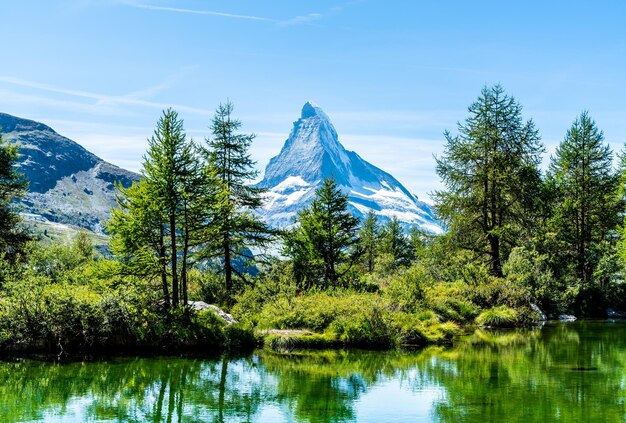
(222, 390)
(494, 246)
(166, 293)
(175, 294)
(228, 270)
(183, 272)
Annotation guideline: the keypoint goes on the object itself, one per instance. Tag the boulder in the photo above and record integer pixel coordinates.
(536, 309)
(615, 314)
(566, 318)
(201, 305)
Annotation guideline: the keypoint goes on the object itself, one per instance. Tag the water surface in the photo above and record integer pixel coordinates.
(574, 372)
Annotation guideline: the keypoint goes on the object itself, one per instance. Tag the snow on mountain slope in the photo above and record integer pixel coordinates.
(312, 153)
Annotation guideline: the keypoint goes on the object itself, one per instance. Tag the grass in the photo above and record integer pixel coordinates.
(498, 317)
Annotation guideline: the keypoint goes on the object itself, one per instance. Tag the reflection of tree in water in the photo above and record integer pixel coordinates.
(170, 390)
(324, 386)
(572, 372)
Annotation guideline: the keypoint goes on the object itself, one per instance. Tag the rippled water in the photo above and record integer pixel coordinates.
(573, 372)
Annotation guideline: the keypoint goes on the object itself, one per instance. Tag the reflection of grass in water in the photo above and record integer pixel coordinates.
(504, 337)
(560, 373)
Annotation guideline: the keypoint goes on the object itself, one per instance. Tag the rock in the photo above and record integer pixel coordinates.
(201, 305)
(615, 314)
(536, 309)
(566, 318)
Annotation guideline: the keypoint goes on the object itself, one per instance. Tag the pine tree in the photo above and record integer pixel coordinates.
(13, 186)
(417, 241)
(396, 243)
(169, 213)
(586, 210)
(369, 235)
(321, 243)
(138, 239)
(491, 173)
(237, 228)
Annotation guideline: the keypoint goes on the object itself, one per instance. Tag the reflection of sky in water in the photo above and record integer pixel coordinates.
(565, 372)
(394, 401)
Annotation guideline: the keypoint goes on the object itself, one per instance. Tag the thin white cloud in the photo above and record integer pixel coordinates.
(296, 20)
(197, 12)
(111, 101)
(300, 20)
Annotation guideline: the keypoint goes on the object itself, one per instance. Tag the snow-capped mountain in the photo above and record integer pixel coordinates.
(312, 153)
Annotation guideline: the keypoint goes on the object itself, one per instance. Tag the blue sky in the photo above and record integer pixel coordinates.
(392, 75)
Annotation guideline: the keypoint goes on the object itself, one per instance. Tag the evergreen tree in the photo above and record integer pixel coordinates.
(237, 228)
(138, 239)
(163, 218)
(491, 173)
(586, 209)
(395, 242)
(368, 240)
(13, 186)
(320, 245)
(417, 241)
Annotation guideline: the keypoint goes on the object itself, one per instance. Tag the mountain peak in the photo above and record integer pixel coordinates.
(313, 152)
(311, 109)
(10, 123)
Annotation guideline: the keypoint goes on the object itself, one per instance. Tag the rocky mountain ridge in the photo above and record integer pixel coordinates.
(313, 152)
(67, 183)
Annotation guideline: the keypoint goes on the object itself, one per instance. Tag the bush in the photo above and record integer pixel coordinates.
(239, 337)
(365, 329)
(452, 301)
(501, 316)
(302, 341)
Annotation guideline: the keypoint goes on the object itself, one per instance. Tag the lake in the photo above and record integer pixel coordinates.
(563, 372)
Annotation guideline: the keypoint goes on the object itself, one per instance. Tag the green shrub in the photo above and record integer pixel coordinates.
(239, 337)
(365, 329)
(501, 316)
(302, 341)
(451, 301)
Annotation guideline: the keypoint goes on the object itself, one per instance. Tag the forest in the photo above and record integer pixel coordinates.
(519, 239)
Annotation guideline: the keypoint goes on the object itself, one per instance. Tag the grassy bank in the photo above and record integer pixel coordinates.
(404, 309)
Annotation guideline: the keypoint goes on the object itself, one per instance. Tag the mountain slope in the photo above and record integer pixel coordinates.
(313, 152)
(67, 183)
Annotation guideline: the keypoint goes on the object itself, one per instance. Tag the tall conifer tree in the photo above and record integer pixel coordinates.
(237, 228)
(492, 178)
(586, 209)
(169, 213)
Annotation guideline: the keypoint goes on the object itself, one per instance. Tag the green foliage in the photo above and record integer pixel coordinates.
(350, 319)
(586, 208)
(236, 228)
(406, 288)
(210, 287)
(320, 246)
(395, 242)
(288, 342)
(274, 284)
(163, 219)
(501, 316)
(239, 337)
(369, 234)
(452, 301)
(491, 173)
(13, 237)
